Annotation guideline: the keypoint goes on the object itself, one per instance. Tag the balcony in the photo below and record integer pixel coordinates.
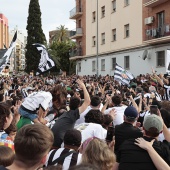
(153, 3)
(74, 34)
(76, 12)
(157, 35)
(76, 53)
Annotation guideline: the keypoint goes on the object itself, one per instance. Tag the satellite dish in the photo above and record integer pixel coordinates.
(145, 55)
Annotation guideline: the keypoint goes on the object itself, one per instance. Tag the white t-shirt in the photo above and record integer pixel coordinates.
(34, 101)
(119, 114)
(89, 130)
(161, 136)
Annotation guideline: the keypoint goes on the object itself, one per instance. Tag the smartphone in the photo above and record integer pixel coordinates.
(154, 109)
(110, 133)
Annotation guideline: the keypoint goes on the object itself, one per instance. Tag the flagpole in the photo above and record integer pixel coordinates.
(97, 44)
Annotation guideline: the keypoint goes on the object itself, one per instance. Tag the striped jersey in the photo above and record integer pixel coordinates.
(167, 92)
(67, 162)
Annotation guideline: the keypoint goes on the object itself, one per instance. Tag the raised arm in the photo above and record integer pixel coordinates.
(108, 99)
(86, 102)
(157, 78)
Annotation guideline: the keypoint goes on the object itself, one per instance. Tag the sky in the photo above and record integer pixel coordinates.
(54, 14)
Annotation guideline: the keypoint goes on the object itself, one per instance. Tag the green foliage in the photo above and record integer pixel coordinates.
(59, 50)
(35, 35)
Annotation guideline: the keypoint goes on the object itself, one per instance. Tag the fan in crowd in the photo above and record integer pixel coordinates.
(65, 122)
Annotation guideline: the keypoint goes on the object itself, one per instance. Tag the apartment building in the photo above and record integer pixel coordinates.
(78, 13)
(118, 35)
(18, 58)
(4, 34)
(156, 32)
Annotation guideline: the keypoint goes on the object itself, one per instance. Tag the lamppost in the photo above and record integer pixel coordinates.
(97, 43)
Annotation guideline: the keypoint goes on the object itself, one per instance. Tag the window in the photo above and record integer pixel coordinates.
(114, 35)
(126, 30)
(103, 11)
(102, 64)
(79, 67)
(113, 63)
(94, 16)
(126, 2)
(93, 65)
(161, 17)
(160, 58)
(94, 41)
(126, 62)
(114, 5)
(103, 38)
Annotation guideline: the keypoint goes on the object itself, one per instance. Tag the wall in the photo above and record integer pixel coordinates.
(137, 64)
(131, 14)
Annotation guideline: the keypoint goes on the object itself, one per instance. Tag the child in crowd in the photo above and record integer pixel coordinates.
(7, 156)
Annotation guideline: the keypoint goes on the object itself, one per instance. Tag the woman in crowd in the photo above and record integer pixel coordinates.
(6, 118)
(98, 153)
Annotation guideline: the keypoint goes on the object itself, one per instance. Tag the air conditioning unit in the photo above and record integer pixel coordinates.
(149, 20)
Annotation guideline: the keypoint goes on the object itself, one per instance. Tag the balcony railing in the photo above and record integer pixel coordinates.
(157, 34)
(153, 3)
(76, 12)
(76, 52)
(76, 33)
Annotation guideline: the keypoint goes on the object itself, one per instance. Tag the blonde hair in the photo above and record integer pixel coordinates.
(98, 153)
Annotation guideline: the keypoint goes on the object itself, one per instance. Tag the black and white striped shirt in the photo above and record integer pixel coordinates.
(71, 160)
(167, 92)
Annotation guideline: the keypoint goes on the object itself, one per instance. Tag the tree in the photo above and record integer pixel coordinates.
(61, 34)
(60, 49)
(60, 53)
(35, 35)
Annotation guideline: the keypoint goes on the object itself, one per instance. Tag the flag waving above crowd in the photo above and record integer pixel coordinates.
(6, 57)
(122, 76)
(46, 63)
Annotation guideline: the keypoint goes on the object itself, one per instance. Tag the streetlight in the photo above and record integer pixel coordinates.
(97, 44)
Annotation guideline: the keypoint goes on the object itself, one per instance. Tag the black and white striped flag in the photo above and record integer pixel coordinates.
(122, 76)
(46, 63)
(5, 60)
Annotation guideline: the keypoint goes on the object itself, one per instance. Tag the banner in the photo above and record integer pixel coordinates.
(122, 76)
(46, 63)
(5, 60)
(168, 61)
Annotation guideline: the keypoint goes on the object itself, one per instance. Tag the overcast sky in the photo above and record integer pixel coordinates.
(54, 14)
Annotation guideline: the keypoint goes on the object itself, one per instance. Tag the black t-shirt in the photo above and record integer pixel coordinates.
(65, 122)
(131, 156)
(125, 131)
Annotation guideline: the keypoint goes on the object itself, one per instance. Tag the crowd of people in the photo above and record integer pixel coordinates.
(84, 123)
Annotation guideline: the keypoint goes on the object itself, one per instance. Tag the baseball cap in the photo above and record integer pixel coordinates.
(153, 121)
(72, 137)
(131, 112)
